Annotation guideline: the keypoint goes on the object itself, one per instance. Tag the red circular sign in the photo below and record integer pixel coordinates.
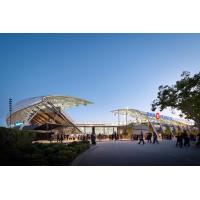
(157, 115)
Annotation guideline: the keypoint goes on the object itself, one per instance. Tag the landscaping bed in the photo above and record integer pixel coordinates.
(17, 149)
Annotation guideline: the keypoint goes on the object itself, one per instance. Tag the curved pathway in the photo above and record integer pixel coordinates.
(128, 153)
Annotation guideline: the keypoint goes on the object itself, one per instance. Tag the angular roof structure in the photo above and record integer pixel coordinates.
(44, 109)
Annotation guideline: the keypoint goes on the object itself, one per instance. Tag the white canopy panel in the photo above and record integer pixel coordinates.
(25, 109)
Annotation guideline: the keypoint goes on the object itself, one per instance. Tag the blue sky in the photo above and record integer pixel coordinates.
(111, 70)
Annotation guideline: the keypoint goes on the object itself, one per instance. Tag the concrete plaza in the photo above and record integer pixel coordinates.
(128, 153)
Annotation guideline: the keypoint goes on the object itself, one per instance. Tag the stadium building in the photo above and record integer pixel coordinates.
(149, 122)
(44, 113)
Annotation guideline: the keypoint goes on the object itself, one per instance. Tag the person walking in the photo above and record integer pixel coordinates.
(179, 142)
(155, 138)
(57, 137)
(115, 136)
(141, 138)
(93, 139)
(93, 136)
(50, 137)
(67, 136)
(149, 137)
(132, 137)
(99, 137)
(186, 139)
(61, 138)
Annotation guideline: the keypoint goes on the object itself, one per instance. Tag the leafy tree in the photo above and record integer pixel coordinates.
(183, 96)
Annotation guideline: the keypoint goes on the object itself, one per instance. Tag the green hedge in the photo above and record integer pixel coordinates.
(17, 149)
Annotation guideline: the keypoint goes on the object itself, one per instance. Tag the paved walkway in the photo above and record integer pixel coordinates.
(127, 153)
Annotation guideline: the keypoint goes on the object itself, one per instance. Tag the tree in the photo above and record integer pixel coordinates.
(183, 96)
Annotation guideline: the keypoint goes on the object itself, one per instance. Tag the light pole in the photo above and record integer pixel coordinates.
(10, 110)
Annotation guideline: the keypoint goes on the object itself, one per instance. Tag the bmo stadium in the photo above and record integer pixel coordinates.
(48, 113)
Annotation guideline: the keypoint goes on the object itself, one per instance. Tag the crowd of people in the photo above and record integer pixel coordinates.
(183, 139)
(149, 138)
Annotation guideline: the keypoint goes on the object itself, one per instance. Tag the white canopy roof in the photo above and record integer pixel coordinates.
(23, 110)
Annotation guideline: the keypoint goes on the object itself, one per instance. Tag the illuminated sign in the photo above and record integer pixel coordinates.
(18, 123)
(158, 116)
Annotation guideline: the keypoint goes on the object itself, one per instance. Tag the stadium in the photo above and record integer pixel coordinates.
(47, 113)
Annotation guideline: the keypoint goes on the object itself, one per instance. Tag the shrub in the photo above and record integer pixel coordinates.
(17, 148)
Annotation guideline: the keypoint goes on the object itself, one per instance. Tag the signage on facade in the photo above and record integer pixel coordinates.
(158, 116)
(18, 123)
